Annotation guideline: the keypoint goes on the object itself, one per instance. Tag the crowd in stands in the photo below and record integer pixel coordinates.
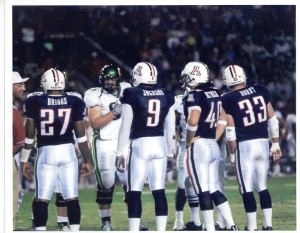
(259, 38)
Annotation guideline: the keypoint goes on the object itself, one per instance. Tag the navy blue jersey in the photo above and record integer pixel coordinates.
(248, 107)
(209, 102)
(54, 116)
(150, 107)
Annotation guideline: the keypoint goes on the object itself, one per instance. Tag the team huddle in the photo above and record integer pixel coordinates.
(135, 136)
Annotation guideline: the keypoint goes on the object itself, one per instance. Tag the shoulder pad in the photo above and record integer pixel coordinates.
(93, 91)
(37, 93)
(74, 94)
(197, 90)
(124, 85)
(91, 97)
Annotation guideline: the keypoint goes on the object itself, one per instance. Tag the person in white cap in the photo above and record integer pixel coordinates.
(18, 136)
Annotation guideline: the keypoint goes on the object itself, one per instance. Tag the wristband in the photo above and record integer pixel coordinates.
(232, 158)
(222, 122)
(273, 126)
(230, 133)
(170, 155)
(275, 146)
(119, 154)
(82, 139)
(192, 128)
(25, 153)
(80, 160)
(29, 140)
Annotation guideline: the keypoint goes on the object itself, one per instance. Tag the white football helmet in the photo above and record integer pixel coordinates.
(144, 72)
(194, 73)
(53, 80)
(234, 75)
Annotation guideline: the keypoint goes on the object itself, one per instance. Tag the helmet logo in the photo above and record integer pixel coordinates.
(196, 71)
(55, 75)
(138, 71)
(233, 72)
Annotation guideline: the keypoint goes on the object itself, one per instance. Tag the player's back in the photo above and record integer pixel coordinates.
(248, 107)
(150, 107)
(54, 116)
(208, 100)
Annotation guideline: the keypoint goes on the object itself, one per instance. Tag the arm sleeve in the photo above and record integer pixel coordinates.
(265, 94)
(80, 110)
(18, 128)
(30, 108)
(169, 126)
(127, 116)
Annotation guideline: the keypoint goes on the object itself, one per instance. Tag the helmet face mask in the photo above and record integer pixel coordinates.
(109, 78)
(144, 72)
(53, 80)
(193, 74)
(234, 75)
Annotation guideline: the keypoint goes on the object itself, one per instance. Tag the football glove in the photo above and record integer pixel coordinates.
(170, 164)
(120, 164)
(117, 110)
(275, 151)
(232, 159)
(80, 160)
(27, 171)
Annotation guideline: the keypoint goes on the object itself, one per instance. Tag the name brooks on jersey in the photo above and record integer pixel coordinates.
(62, 101)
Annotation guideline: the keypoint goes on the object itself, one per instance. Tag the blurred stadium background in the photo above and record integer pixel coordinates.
(82, 39)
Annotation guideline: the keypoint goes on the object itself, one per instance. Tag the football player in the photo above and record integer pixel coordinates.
(104, 112)
(147, 114)
(184, 190)
(53, 114)
(202, 109)
(250, 113)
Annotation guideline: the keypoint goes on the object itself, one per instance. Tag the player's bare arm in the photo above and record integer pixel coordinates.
(124, 137)
(231, 138)
(192, 125)
(273, 125)
(97, 119)
(25, 153)
(171, 138)
(85, 168)
(221, 124)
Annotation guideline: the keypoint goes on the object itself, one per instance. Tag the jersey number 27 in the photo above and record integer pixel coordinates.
(48, 116)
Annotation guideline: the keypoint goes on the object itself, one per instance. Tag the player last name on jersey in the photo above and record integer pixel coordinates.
(153, 92)
(61, 101)
(211, 94)
(247, 91)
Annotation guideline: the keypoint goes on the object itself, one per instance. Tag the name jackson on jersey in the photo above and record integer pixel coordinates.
(55, 116)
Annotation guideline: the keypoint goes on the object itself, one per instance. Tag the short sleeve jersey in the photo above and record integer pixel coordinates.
(248, 107)
(18, 128)
(97, 96)
(150, 107)
(54, 116)
(208, 100)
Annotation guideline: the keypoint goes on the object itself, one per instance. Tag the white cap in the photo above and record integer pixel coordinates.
(17, 78)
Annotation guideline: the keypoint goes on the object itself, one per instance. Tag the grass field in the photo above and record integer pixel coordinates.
(282, 189)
